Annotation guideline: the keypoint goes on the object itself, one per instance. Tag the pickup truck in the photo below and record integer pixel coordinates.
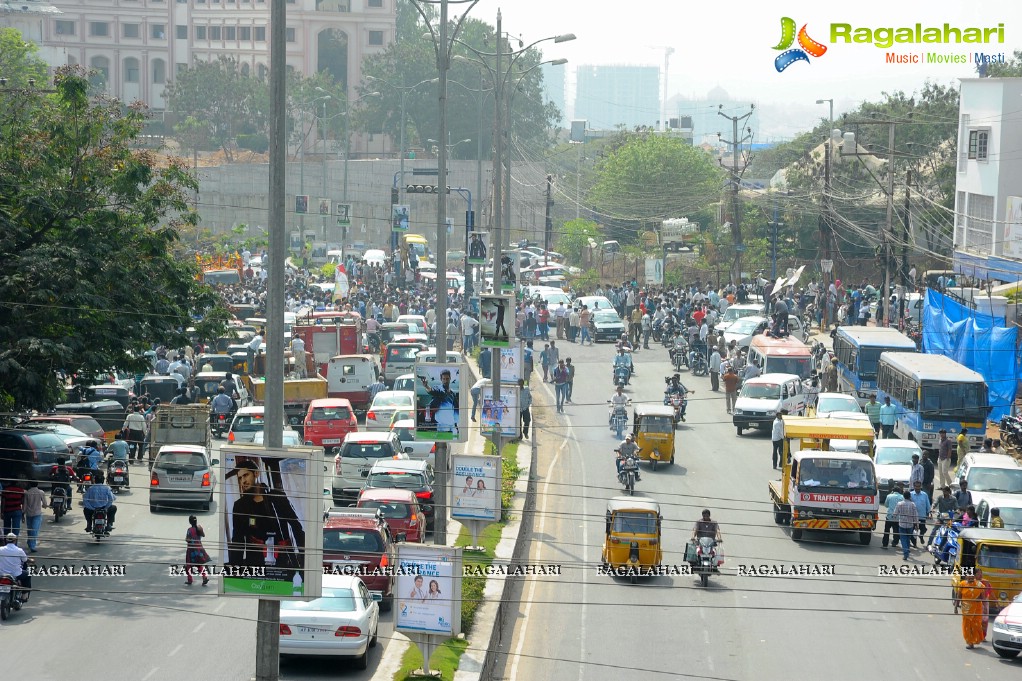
(298, 393)
(179, 424)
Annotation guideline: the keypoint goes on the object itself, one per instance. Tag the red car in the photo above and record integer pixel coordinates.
(358, 541)
(328, 421)
(400, 508)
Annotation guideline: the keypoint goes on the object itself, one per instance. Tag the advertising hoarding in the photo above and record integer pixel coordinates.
(475, 487)
(438, 412)
(501, 413)
(428, 590)
(496, 320)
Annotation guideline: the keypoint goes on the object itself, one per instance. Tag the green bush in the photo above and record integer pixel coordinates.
(257, 142)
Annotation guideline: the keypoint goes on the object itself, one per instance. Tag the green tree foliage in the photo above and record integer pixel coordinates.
(574, 244)
(411, 59)
(647, 178)
(87, 226)
(1010, 69)
(18, 61)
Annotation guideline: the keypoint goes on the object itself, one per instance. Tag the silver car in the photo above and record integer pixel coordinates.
(1007, 630)
(384, 405)
(182, 474)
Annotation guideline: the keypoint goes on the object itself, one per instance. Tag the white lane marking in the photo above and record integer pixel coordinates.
(539, 554)
(175, 650)
(198, 628)
(149, 675)
(706, 637)
(582, 667)
(219, 607)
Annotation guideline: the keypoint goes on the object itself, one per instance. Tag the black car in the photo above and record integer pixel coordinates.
(29, 454)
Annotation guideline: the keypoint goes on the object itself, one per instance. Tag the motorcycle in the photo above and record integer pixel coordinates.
(679, 402)
(12, 595)
(699, 364)
(679, 355)
(944, 546)
(706, 560)
(621, 375)
(117, 474)
(820, 356)
(59, 502)
(220, 424)
(1011, 431)
(619, 419)
(99, 524)
(627, 476)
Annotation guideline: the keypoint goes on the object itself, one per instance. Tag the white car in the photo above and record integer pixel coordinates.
(894, 463)
(405, 382)
(736, 312)
(1010, 506)
(345, 622)
(423, 450)
(988, 474)
(417, 319)
(742, 330)
(594, 303)
(384, 405)
(375, 257)
(831, 402)
(291, 438)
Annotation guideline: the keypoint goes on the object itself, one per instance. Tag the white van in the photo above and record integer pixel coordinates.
(762, 397)
(781, 355)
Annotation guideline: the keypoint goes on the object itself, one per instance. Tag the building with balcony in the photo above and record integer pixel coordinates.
(988, 189)
(136, 46)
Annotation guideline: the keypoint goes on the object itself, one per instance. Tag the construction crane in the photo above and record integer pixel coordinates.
(668, 51)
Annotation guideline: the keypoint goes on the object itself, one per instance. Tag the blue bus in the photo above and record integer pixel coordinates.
(932, 392)
(857, 350)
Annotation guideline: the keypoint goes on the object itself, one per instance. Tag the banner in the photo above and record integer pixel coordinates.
(500, 414)
(510, 273)
(399, 218)
(325, 206)
(428, 589)
(654, 271)
(438, 412)
(478, 247)
(270, 511)
(302, 204)
(512, 365)
(475, 487)
(343, 213)
(496, 320)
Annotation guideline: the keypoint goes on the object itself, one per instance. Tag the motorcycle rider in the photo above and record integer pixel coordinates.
(119, 451)
(623, 359)
(61, 476)
(221, 404)
(618, 399)
(706, 528)
(679, 345)
(676, 387)
(97, 497)
(12, 562)
(627, 449)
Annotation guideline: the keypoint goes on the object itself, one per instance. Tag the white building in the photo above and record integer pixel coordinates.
(137, 45)
(30, 17)
(988, 197)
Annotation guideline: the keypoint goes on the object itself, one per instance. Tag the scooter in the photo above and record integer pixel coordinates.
(219, 424)
(944, 546)
(99, 524)
(12, 594)
(699, 365)
(621, 375)
(706, 560)
(59, 502)
(117, 474)
(629, 469)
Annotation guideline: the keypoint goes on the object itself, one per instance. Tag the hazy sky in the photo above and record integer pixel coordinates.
(730, 43)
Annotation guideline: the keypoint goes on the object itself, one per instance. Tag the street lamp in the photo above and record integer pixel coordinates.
(404, 89)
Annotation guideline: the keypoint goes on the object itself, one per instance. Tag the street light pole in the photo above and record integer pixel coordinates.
(825, 228)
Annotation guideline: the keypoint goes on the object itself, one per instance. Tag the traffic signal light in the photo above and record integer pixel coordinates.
(424, 189)
(394, 196)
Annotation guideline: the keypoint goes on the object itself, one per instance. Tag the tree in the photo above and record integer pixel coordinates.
(18, 61)
(574, 242)
(1010, 69)
(88, 222)
(647, 178)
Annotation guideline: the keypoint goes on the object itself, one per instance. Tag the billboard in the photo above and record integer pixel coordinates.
(654, 271)
(475, 487)
(428, 590)
(512, 365)
(343, 213)
(496, 320)
(399, 218)
(438, 412)
(501, 413)
(478, 247)
(302, 204)
(271, 515)
(510, 273)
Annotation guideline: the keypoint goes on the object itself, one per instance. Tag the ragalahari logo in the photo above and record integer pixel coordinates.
(808, 45)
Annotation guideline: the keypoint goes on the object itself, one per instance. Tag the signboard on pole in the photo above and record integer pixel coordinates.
(271, 514)
(438, 412)
(500, 414)
(478, 247)
(510, 273)
(475, 487)
(654, 271)
(324, 206)
(343, 213)
(512, 363)
(496, 320)
(302, 204)
(428, 589)
(399, 217)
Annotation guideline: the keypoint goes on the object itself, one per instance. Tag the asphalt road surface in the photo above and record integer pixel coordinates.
(145, 625)
(849, 626)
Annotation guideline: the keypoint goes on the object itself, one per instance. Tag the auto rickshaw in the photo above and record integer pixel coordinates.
(110, 414)
(159, 386)
(654, 433)
(632, 544)
(998, 553)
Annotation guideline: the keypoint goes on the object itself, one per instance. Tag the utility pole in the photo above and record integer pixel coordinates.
(826, 232)
(905, 234)
(736, 173)
(548, 224)
(774, 226)
(889, 231)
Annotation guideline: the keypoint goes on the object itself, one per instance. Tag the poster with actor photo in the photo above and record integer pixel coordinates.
(500, 414)
(428, 589)
(475, 487)
(510, 272)
(496, 320)
(302, 204)
(478, 247)
(438, 403)
(399, 218)
(270, 512)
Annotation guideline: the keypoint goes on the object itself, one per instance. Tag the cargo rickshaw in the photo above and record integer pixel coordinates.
(632, 544)
(998, 553)
(653, 429)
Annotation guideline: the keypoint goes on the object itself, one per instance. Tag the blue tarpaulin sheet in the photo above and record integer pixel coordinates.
(977, 341)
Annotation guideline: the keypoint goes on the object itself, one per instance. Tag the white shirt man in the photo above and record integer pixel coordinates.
(255, 343)
(704, 332)
(11, 558)
(468, 326)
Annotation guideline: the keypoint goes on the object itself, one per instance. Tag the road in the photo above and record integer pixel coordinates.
(582, 625)
(145, 625)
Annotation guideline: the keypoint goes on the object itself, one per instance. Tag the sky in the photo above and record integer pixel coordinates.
(731, 44)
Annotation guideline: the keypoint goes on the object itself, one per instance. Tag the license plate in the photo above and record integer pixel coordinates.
(118, 478)
(307, 630)
(180, 478)
(834, 524)
(1014, 639)
(332, 441)
(753, 425)
(5, 588)
(364, 470)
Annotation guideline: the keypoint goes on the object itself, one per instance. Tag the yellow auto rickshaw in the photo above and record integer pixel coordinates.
(632, 545)
(998, 553)
(654, 433)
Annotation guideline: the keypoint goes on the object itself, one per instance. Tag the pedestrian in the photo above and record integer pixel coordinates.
(469, 326)
(777, 438)
(555, 357)
(544, 361)
(988, 598)
(485, 362)
(812, 393)
(944, 447)
(922, 502)
(908, 517)
(715, 369)
(529, 361)
(894, 497)
(525, 406)
(647, 330)
(988, 446)
(571, 379)
(970, 594)
(35, 501)
(13, 507)
(475, 392)
(996, 521)
(915, 472)
(731, 382)
(962, 449)
(376, 387)
(928, 473)
(872, 409)
(544, 322)
(963, 497)
(561, 316)
(574, 319)
(584, 320)
(134, 428)
(888, 417)
(830, 376)
(195, 555)
(560, 380)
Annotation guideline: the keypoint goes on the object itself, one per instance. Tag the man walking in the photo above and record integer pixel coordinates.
(475, 392)
(888, 417)
(560, 379)
(715, 370)
(908, 517)
(928, 473)
(730, 379)
(571, 379)
(894, 497)
(525, 404)
(555, 356)
(777, 438)
(561, 313)
(922, 502)
(544, 361)
(944, 446)
(872, 409)
(584, 318)
(35, 501)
